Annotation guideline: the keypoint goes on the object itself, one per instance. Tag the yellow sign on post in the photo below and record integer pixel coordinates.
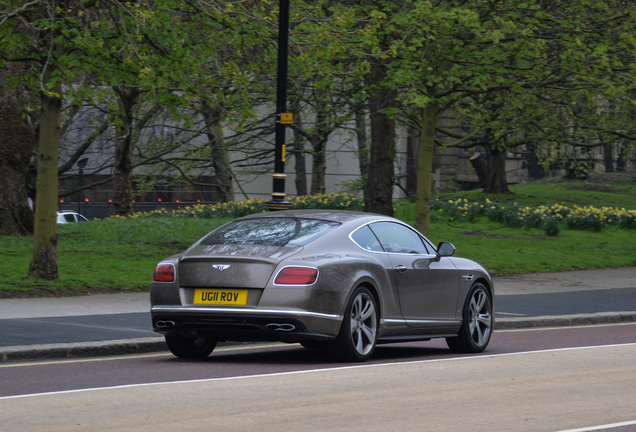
(286, 118)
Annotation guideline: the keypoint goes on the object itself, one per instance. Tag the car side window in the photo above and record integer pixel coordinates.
(397, 238)
(365, 238)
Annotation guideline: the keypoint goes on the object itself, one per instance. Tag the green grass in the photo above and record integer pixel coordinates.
(120, 254)
(505, 251)
(101, 256)
(611, 190)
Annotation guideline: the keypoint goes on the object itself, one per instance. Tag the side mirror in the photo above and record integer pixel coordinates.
(445, 249)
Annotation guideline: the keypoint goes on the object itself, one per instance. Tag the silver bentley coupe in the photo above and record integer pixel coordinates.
(334, 280)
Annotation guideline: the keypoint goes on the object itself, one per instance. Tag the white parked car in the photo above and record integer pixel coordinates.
(68, 216)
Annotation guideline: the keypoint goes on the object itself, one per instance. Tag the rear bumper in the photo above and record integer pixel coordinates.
(245, 324)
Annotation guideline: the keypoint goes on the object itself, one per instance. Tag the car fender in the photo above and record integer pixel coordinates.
(167, 293)
(340, 279)
(470, 272)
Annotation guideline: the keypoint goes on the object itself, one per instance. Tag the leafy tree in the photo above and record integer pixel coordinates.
(16, 148)
(33, 35)
(452, 51)
(58, 41)
(213, 118)
(327, 104)
(221, 80)
(366, 37)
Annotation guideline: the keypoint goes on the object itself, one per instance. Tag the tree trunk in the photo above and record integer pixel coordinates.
(379, 188)
(496, 181)
(363, 145)
(213, 116)
(318, 164)
(621, 162)
(608, 157)
(535, 170)
(44, 262)
(16, 146)
(300, 166)
(318, 141)
(424, 192)
(478, 161)
(297, 148)
(319, 154)
(127, 100)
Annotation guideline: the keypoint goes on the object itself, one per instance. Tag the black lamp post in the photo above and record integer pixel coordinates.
(283, 118)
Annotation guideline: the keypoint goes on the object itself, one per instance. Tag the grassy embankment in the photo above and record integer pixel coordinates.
(120, 254)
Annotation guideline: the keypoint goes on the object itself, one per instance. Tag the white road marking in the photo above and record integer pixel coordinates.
(601, 427)
(363, 366)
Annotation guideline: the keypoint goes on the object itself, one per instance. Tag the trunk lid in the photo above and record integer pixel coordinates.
(231, 266)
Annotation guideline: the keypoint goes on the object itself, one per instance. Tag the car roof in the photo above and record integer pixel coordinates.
(341, 216)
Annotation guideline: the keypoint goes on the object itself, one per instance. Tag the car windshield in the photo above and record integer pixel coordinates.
(277, 231)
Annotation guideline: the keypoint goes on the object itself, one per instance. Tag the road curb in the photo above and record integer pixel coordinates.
(81, 349)
(157, 344)
(565, 320)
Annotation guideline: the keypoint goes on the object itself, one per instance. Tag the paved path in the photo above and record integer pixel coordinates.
(120, 323)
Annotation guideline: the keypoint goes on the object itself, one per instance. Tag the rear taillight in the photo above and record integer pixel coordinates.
(296, 276)
(164, 273)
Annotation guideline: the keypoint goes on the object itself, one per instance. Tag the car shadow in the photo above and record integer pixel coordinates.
(295, 354)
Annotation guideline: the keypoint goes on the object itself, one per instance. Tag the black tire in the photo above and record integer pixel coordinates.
(315, 345)
(190, 348)
(358, 333)
(478, 322)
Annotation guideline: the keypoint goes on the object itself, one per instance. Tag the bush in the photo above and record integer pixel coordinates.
(236, 209)
(513, 215)
(627, 218)
(551, 227)
(548, 218)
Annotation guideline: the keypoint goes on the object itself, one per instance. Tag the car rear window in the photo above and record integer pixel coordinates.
(283, 231)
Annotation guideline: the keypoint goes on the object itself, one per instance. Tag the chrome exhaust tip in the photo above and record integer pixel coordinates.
(281, 327)
(165, 324)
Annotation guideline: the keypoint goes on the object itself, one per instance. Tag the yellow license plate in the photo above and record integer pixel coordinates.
(220, 297)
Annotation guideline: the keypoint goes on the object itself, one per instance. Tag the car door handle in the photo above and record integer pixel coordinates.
(400, 268)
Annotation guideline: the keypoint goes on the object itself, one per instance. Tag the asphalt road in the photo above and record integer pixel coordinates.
(120, 323)
(566, 303)
(113, 326)
(565, 379)
(70, 329)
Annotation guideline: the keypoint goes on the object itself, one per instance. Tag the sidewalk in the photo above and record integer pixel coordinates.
(552, 286)
(565, 288)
